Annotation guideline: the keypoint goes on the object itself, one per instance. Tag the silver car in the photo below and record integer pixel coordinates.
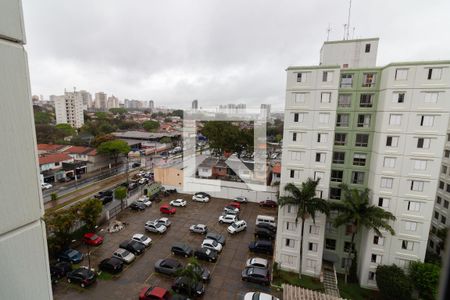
(124, 255)
(154, 226)
(199, 228)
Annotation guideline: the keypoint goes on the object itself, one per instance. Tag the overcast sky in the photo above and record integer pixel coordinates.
(216, 51)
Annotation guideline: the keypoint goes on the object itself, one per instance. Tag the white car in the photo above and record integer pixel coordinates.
(142, 238)
(231, 210)
(199, 228)
(164, 221)
(46, 186)
(241, 199)
(143, 180)
(178, 202)
(237, 226)
(259, 296)
(154, 226)
(227, 219)
(145, 200)
(212, 244)
(124, 255)
(200, 198)
(257, 262)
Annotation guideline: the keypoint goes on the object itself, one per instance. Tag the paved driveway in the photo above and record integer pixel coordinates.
(225, 273)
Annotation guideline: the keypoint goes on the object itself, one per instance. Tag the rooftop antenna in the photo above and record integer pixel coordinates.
(348, 19)
(353, 34)
(345, 31)
(328, 32)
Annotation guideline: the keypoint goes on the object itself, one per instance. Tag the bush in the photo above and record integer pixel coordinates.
(425, 278)
(393, 283)
(54, 196)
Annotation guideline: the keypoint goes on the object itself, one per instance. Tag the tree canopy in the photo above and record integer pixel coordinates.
(89, 212)
(118, 111)
(65, 129)
(114, 148)
(393, 283)
(223, 137)
(177, 113)
(150, 125)
(425, 278)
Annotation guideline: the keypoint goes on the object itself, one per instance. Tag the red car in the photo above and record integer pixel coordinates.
(153, 293)
(268, 203)
(92, 239)
(235, 204)
(166, 209)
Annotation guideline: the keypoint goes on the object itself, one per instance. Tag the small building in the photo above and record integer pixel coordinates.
(51, 166)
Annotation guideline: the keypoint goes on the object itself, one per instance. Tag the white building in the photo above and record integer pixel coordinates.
(348, 121)
(113, 102)
(87, 99)
(69, 109)
(151, 104)
(101, 101)
(23, 246)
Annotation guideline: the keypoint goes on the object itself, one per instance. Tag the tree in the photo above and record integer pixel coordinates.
(356, 210)
(114, 149)
(150, 125)
(177, 113)
(191, 273)
(120, 193)
(101, 115)
(118, 111)
(41, 117)
(60, 224)
(65, 129)
(307, 204)
(165, 140)
(103, 138)
(393, 283)
(425, 278)
(89, 212)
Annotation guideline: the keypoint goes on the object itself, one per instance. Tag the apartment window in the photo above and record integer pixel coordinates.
(345, 100)
(298, 117)
(336, 175)
(423, 143)
(366, 100)
(402, 263)
(319, 194)
(438, 200)
(348, 246)
(378, 240)
(327, 76)
(395, 119)
(346, 80)
(295, 174)
(398, 97)
(312, 247)
(401, 74)
(444, 169)
(313, 229)
(431, 97)
(407, 245)
(448, 137)
(318, 175)
(448, 188)
(299, 97)
(301, 77)
(294, 136)
(445, 204)
(324, 118)
(386, 182)
(363, 121)
(311, 263)
(375, 258)
(431, 243)
(290, 243)
(287, 259)
(340, 139)
(383, 202)
(342, 120)
(392, 141)
(358, 177)
(330, 244)
(335, 193)
(320, 157)
(346, 262)
(290, 208)
(367, 49)
(362, 140)
(443, 220)
(433, 229)
(296, 155)
(447, 153)
(420, 164)
(338, 157)
(436, 215)
(410, 226)
(291, 226)
(417, 186)
(441, 185)
(322, 137)
(426, 121)
(369, 79)
(434, 73)
(389, 162)
(413, 206)
(372, 276)
(325, 98)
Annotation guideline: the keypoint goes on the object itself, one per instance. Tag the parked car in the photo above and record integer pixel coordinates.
(206, 254)
(46, 186)
(227, 219)
(241, 199)
(111, 265)
(181, 285)
(71, 255)
(164, 221)
(107, 199)
(268, 203)
(235, 204)
(125, 255)
(154, 226)
(138, 206)
(264, 234)
(166, 209)
(259, 296)
(257, 275)
(92, 239)
(143, 180)
(202, 271)
(145, 200)
(168, 266)
(178, 202)
(266, 226)
(182, 250)
(136, 165)
(257, 262)
(230, 210)
(212, 244)
(199, 228)
(201, 197)
(102, 194)
(142, 238)
(132, 186)
(133, 246)
(261, 246)
(237, 226)
(59, 270)
(154, 293)
(217, 237)
(83, 276)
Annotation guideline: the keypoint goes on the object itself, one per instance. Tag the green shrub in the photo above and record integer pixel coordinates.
(393, 283)
(425, 278)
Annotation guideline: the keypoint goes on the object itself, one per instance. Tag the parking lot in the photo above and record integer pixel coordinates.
(225, 281)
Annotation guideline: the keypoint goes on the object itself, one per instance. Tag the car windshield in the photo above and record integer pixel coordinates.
(72, 253)
(234, 225)
(214, 243)
(94, 237)
(125, 253)
(208, 252)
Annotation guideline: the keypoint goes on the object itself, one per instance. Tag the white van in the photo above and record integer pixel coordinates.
(266, 219)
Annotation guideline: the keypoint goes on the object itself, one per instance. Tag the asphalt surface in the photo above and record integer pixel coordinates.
(225, 281)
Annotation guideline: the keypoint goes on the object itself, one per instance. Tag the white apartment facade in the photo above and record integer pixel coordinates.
(69, 109)
(100, 101)
(348, 121)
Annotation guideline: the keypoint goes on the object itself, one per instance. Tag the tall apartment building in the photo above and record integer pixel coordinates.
(113, 102)
(101, 101)
(195, 104)
(265, 111)
(23, 246)
(87, 99)
(69, 109)
(349, 121)
(151, 104)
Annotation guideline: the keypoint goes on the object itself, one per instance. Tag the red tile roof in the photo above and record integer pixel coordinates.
(50, 147)
(276, 169)
(52, 158)
(80, 150)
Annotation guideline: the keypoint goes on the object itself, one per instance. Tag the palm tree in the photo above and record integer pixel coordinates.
(191, 273)
(307, 205)
(356, 210)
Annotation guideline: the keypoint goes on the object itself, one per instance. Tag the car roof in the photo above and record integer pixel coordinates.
(120, 251)
(255, 270)
(264, 242)
(181, 245)
(138, 235)
(165, 206)
(171, 262)
(157, 292)
(209, 241)
(163, 219)
(240, 221)
(89, 234)
(201, 225)
(259, 260)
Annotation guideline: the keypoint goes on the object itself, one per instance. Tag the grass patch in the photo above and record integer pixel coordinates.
(105, 276)
(353, 291)
(306, 282)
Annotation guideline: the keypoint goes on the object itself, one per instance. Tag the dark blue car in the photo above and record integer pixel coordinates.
(71, 255)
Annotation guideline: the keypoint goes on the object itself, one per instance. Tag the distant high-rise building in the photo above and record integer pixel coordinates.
(265, 111)
(195, 104)
(113, 102)
(69, 109)
(151, 104)
(101, 101)
(241, 108)
(87, 99)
